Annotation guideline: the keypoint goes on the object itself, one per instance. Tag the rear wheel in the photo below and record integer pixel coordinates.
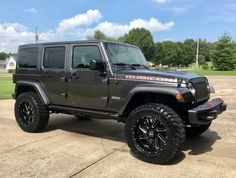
(154, 133)
(195, 131)
(30, 112)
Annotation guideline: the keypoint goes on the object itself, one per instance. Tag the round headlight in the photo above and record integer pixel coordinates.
(191, 89)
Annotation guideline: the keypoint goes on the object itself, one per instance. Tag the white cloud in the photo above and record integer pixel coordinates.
(78, 27)
(91, 16)
(112, 29)
(161, 1)
(152, 24)
(117, 30)
(12, 35)
(31, 10)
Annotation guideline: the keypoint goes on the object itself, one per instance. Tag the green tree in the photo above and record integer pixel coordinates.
(190, 42)
(143, 39)
(3, 55)
(190, 55)
(185, 54)
(159, 54)
(204, 49)
(201, 59)
(190, 48)
(224, 53)
(98, 35)
(171, 53)
(175, 54)
(181, 54)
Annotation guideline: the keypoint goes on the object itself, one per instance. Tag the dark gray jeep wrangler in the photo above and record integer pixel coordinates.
(100, 79)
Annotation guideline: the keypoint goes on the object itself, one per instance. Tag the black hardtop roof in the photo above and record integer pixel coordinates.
(70, 42)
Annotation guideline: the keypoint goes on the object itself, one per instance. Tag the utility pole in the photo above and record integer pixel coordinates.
(197, 64)
(36, 35)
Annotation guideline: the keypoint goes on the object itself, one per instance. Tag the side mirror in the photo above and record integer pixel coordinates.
(97, 65)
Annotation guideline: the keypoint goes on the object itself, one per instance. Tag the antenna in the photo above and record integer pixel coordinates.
(36, 35)
(197, 64)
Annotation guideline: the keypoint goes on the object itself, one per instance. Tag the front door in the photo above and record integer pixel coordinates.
(87, 88)
(53, 69)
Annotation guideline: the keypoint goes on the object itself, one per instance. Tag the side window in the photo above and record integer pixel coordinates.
(82, 55)
(54, 57)
(28, 57)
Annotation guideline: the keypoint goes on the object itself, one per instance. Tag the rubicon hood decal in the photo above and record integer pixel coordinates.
(150, 78)
(157, 75)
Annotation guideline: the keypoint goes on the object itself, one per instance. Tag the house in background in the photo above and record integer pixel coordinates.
(8, 64)
(2, 64)
(11, 63)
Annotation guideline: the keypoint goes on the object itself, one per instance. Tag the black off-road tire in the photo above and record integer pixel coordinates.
(174, 135)
(39, 114)
(195, 131)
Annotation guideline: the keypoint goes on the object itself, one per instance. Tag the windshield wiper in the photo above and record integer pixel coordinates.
(138, 65)
(124, 64)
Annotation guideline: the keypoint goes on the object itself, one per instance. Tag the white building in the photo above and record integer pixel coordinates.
(10, 63)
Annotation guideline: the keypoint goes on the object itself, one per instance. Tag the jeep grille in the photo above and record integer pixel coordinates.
(201, 90)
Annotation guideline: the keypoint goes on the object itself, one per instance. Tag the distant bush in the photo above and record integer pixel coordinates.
(11, 71)
(205, 66)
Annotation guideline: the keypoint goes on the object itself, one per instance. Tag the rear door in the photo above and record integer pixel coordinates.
(53, 72)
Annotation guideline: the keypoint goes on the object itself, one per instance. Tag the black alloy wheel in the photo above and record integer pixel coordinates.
(154, 133)
(26, 113)
(150, 134)
(30, 112)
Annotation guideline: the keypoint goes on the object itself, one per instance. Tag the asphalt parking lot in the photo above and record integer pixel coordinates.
(97, 148)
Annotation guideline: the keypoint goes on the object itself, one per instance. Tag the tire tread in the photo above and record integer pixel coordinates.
(168, 114)
(42, 114)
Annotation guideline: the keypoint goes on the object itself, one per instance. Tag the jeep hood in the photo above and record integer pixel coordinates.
(172, 74)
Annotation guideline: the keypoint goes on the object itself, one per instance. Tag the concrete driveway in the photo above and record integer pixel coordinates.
(97, 148)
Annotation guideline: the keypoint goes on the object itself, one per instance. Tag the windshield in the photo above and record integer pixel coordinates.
(125, 54)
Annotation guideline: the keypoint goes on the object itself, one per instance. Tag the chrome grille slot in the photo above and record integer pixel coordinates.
(202, 92)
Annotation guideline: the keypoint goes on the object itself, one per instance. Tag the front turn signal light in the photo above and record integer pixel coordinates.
(178, 96)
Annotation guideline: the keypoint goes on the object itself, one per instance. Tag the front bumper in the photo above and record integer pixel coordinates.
(205, 113)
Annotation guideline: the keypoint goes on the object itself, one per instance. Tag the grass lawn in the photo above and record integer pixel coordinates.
(209, 71)
(6, 87)
(212, 72)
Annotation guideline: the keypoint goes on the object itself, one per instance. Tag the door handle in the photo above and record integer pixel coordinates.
(47, 74)
(74, 76)
(63, 79)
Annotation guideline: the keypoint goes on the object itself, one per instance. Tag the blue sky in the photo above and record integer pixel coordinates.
(75, 19)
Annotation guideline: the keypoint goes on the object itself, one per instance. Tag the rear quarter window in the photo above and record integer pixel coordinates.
(28, 57)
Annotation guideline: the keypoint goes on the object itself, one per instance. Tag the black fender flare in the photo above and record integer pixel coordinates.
(38, 88)
(172, 91)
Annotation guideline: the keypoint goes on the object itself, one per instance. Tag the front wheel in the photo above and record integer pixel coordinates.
(154, 133)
